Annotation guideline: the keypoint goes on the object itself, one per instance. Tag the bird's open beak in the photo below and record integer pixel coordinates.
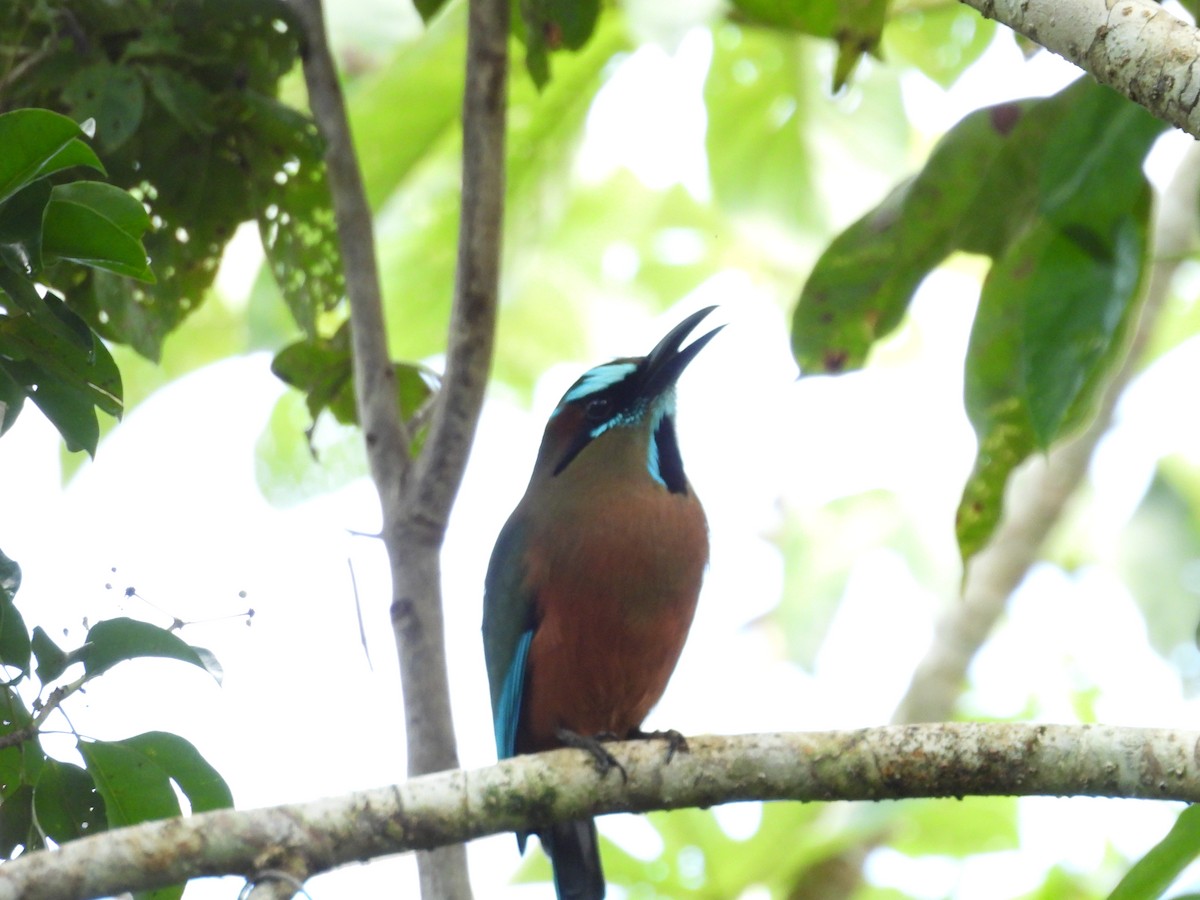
(665, 363)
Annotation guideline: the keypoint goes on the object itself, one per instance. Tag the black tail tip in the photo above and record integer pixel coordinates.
(575, 856)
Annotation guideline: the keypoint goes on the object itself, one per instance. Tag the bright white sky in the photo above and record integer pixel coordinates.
(171, 502)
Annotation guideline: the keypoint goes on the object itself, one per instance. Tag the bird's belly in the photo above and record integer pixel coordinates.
(606, 684)
(611, 630)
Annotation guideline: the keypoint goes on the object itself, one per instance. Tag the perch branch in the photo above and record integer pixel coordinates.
(887, 763)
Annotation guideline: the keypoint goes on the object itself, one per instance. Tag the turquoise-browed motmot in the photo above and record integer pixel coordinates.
(593, 582)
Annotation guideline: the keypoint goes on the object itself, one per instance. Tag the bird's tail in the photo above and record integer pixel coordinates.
(575, 856)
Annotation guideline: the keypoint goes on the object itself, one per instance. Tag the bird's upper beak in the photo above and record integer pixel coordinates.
(663, 365)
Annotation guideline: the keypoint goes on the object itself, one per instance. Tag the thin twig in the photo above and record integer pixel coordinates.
(52, 702)
(362, 628)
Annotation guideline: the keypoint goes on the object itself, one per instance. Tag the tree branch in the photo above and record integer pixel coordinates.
(473, 316)
(1134, 46)
(887, 763)
(386, 436)
(416, 499)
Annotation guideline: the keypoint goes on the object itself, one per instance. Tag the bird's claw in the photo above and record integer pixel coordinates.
(676, 742)
(604, 761)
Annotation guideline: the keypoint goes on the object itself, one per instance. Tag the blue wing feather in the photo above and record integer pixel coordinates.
(508, 709)
(508, 626)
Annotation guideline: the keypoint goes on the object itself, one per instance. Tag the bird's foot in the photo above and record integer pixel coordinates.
(604, 761)
(676, 742)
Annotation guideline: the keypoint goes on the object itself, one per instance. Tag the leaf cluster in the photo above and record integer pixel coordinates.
(185, 102)
(48, 353)
(45, 801)
(547, 26)
(322, 368)
(1053, 191)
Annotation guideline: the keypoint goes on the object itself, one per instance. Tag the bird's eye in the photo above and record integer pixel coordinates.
(598, 410)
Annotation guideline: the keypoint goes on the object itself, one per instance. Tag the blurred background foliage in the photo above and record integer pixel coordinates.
(822, 183)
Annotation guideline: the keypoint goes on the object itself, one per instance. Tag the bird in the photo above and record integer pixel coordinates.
(593, 581)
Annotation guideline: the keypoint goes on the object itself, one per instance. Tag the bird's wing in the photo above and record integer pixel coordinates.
(508, 626)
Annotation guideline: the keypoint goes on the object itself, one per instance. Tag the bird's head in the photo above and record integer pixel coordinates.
(629, 402)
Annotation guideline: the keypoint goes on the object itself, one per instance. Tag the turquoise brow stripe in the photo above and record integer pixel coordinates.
(598, 379)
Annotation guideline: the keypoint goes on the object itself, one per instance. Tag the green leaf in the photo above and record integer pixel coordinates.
(565, 23)
(1155, 554)
(67, 803)
(134, 788)
(285, 468)
(203, 785)
(818, 19)
(84, 235)
(116, 640)
(856, 25)
(323, 370)
(700, 860)
(15, 715)
(75, 153)
(549, 25)
(10, 578)
(116, 205)
(425, 79)
(12, 398)
(111, 94)
(964, 828)
(1050, 322)
(52, 660)
(16, 819)
(1076, 288)
(12, 765)
(1053, 191)
(193, 69)
(67, 409)
(1058, 302)
(1157, 870)
(23, 295)
(857, 33)
(941, 41)
(14, 638)
(758, 109)
(294, 209)
(21, 218)
(50, 352)
(134, 777)
(862, 284)
(183, 97)
(37, 143)
(428, 8)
